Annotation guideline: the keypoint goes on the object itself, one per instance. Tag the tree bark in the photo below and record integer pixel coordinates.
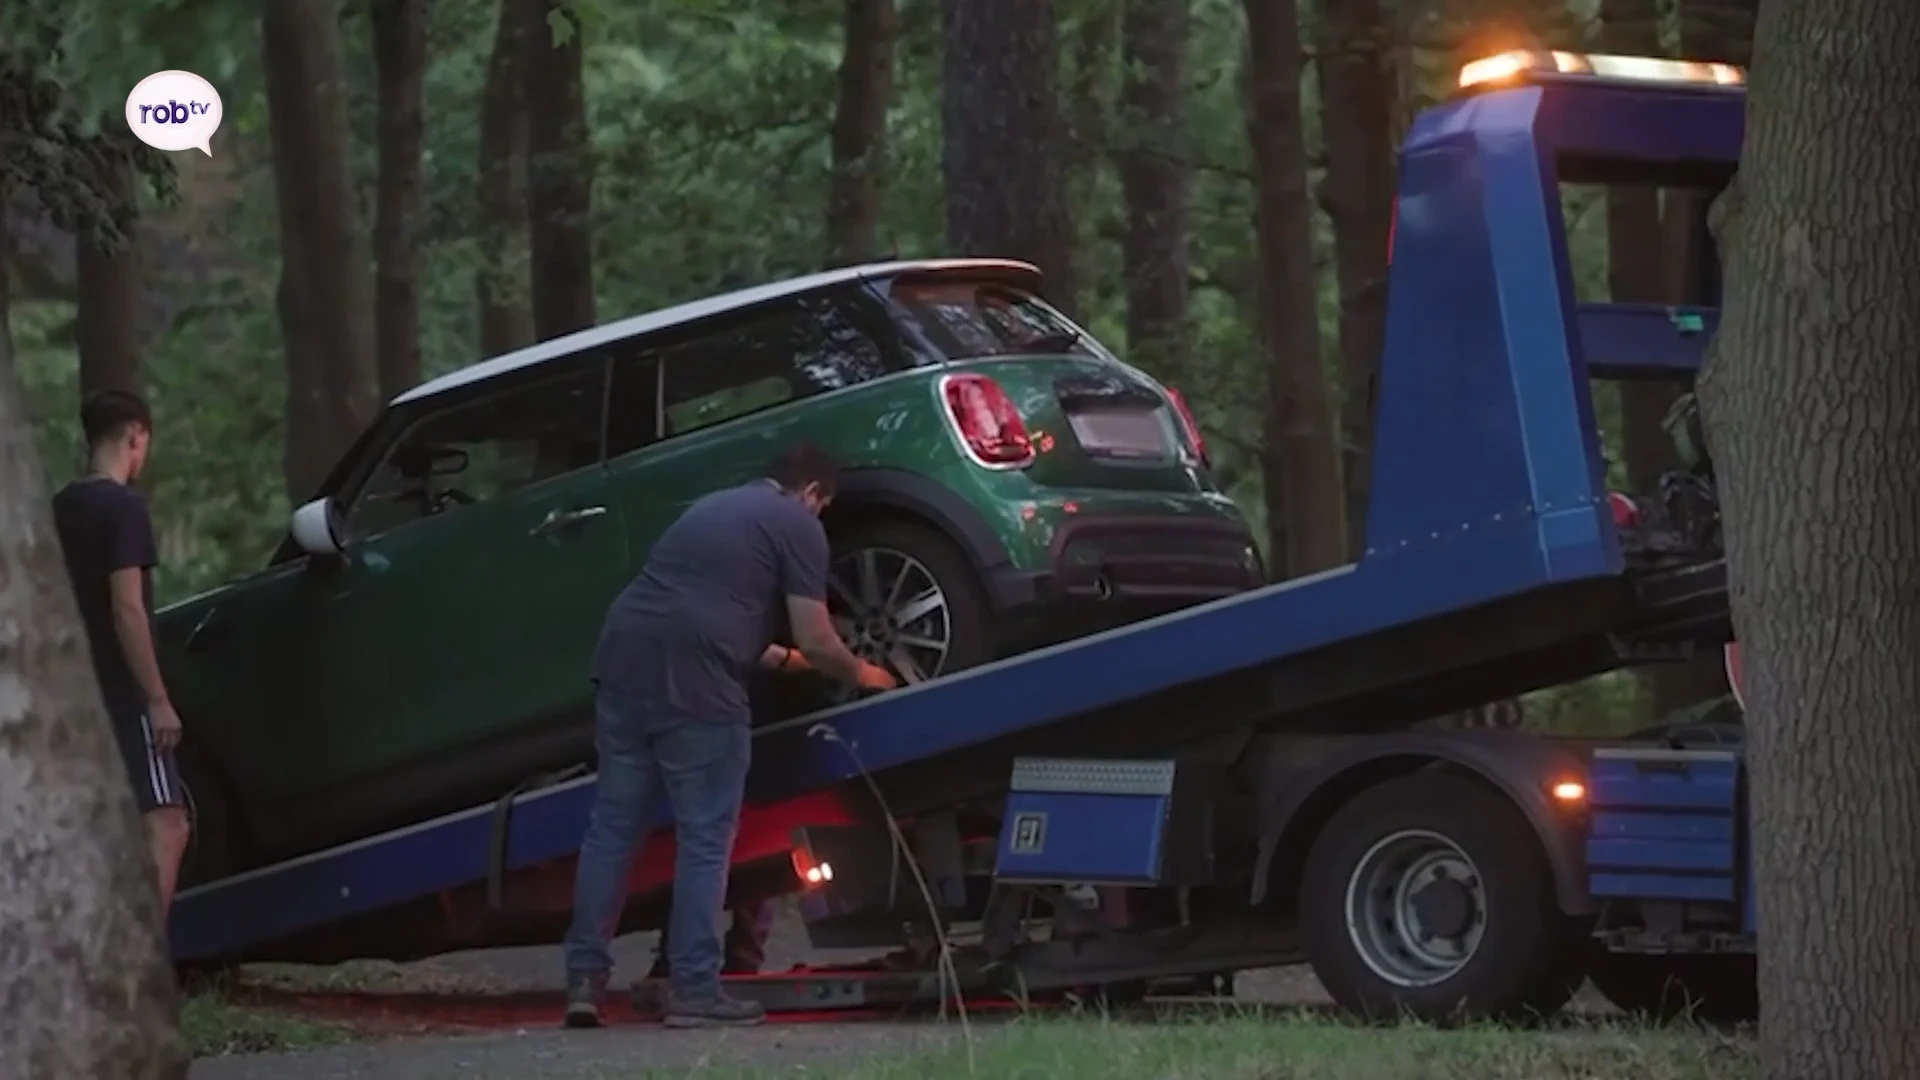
(559, 171)
(1811, 397)
(1156, 181)
(400, 56)
(1357, 107)
(860, 131)
(500, 283)
(87, 988)
(325, 297)
(1003, 139)
(1306, 503)
(107, 283)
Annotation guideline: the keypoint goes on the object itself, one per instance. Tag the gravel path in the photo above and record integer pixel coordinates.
(546, 1053)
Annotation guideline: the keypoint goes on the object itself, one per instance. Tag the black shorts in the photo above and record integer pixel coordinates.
(155, 775)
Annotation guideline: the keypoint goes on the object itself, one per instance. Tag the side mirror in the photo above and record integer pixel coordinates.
(317, 528)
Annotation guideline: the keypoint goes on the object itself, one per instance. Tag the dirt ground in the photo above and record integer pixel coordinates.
(522, 1041)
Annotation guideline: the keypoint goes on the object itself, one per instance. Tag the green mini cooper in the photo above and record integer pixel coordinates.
(420, 643)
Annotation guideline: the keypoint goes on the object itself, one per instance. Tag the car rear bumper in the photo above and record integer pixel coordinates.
(1113, 570)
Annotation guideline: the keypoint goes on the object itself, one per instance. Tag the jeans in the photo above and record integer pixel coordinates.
(744, 946)
(701, 766)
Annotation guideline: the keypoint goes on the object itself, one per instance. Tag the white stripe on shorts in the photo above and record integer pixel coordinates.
(156, 768)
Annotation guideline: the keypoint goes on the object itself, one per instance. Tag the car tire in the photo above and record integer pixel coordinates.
(211, 853)
(898, 543)
(1506, 951)
(1713, 989)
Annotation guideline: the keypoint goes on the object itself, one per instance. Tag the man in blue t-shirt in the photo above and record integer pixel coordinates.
(672, 713)
(107, 538)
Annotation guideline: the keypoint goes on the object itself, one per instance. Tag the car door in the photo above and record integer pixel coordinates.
(481, 555)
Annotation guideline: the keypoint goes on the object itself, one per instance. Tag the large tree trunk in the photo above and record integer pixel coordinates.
(1003, 139)
(860, 131)
(1811, 397)
(326, 293)
(87, 989)
(559, 172)
(1306, 503)
(107, 283)
(500, 282)
(1156, 179)
(1357, 117)
(400, 54)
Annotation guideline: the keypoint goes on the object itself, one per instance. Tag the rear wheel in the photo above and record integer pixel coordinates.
(1430, 896)
(1721, 989)
(905, 597)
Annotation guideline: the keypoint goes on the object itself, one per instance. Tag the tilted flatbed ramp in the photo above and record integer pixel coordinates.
(1491, 566)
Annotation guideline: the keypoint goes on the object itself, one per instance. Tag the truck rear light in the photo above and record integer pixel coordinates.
(988, 423)
(1193, 426)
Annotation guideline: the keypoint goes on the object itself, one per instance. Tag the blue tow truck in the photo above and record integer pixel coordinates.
(1243, 784)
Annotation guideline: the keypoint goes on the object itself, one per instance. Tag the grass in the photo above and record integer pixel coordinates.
(1251, 1047)
(213, 1026)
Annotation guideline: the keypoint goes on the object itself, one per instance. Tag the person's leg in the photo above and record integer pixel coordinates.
(746, 942)
(160, 795)
(703, 765)
(624, 790)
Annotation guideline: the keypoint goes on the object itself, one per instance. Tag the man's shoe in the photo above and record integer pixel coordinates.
(717, 1011)
(585, 994)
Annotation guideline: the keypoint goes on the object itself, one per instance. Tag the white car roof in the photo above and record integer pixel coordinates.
(665, 318)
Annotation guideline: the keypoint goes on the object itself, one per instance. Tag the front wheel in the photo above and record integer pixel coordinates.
(1430, 897)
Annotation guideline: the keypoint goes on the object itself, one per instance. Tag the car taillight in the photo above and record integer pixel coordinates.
(1626, 513)
(987, 421)
(1192, 425)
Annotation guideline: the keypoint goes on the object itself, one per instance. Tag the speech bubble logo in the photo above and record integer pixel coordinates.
(174, 110)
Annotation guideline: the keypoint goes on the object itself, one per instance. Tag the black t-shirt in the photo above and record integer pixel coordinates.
(687, 634)
(104, 527)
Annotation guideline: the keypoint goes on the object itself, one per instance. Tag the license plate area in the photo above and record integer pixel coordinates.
(1126, 434)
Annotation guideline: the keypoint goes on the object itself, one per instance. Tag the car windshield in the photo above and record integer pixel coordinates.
(967, 319)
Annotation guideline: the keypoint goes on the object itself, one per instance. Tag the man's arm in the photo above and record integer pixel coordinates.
(133, 625)
(801, 545)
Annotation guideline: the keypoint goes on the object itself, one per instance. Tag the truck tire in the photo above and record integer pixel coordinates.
(1716, 989)
(1429, 896)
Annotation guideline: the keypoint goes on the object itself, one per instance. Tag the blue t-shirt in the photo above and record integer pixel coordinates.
(683, 639)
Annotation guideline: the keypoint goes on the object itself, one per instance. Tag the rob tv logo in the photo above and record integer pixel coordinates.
(174, 110)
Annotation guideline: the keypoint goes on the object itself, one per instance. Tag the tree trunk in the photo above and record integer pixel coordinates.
(500, 283)
(559, 172)
(1357, 80)
(107, 284)
(1003, 139)
(326, 293)
(400, 54)
(87, 988)
(1156, 180)
(1306, 503)
(1811, 397)
(860, 131)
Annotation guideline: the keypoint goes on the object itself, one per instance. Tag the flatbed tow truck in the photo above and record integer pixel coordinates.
(1242, 784)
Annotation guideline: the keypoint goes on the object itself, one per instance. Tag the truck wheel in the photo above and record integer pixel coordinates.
(1430, 897)
(1719, 989)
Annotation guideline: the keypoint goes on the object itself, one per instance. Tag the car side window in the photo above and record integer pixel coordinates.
(482, 449)
(633, 402)
(798, 348)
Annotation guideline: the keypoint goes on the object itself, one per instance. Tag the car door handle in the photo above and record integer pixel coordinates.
(557, 520)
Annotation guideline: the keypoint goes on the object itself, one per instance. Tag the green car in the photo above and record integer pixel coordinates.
(420, 642)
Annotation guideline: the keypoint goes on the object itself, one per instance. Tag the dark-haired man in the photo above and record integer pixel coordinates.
(107, 538)
(672, 714)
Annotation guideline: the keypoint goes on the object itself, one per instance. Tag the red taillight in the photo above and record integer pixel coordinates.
(1626, 513)
(1193, 426)
(812, 872)
(987, 421)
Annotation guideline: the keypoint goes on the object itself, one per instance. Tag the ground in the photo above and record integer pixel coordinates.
(491, 1016)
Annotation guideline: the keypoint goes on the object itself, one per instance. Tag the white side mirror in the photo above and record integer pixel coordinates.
(316, 528)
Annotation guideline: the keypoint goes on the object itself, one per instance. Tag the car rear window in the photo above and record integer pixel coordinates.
(965, 319)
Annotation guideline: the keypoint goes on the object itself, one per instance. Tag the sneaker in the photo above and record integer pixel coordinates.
(717, 1011)
(585, 993)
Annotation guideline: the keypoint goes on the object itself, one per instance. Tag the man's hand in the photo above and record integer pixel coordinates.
(165, 724)
(874, 677)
